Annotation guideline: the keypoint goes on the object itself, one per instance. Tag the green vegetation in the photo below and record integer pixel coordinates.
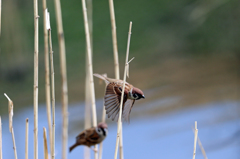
(161, 29)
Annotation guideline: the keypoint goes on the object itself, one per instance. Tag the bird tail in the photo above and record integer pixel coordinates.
(72, 147)
(103, 77)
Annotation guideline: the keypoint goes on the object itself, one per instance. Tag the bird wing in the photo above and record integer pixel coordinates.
(112, 100)
(127, 109)
(92, 137)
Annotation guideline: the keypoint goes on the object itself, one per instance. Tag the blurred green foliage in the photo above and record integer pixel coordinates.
(160, 29)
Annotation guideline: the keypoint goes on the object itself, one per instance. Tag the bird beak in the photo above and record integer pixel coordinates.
(143, 96)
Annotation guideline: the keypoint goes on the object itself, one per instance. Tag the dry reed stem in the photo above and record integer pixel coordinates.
(45, 147)
(201, 146)
(26, 140)
(0, 138)
(47, 72)
(202, 149)
(35, 87)
(53, 91)
(14, 144)
(89, 50)
(101, 144)
(195, 140)
(114, 39)
(10, 112)
(124, 81)
(87, 124)
(116, 63)
(64, 78)
(87, 150)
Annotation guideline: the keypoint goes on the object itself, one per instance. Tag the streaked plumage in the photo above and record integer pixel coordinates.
(91, 136)
(113, 94)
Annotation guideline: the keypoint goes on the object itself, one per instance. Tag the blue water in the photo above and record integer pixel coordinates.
(165, 136)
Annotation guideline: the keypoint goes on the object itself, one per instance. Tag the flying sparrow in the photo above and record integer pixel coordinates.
(91, 136)
(113, 94)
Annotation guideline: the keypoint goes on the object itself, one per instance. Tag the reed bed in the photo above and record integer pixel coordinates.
(89, 87)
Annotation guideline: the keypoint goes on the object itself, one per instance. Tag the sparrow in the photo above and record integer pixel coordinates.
(113, 94)
(91, 136)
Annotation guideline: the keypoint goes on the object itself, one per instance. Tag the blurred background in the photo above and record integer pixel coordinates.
(187, 62)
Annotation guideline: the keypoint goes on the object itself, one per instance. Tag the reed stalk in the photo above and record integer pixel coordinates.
(200, 145)
(35, 87)
(101, 144)
(195, 140)
(10, 113)
(14, 144)
(121, 103)
(202, 149)
(64, 78)
(116, 63)
(0, 138)
(26, 140)
(89, 51)
(45, 147)
(114, 39)
(87, 124)
(47, 72)
(53, 91)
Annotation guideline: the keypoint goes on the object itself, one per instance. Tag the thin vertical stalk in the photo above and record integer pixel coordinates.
(124, 81)
(10, 113)
(47, 72)
(87, 124)
(101, 144)
(87, 150)
(114, 39)
(89, 50)
(202, 149)
(53, 94)
(45, 147)
(26, 140)
(0, 138)
(14, 144)
(35, 87)
(64, 77)
(195, 140)
(116, 63)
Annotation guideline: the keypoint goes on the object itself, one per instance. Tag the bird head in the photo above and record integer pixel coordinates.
(102, 129)
(137, 93)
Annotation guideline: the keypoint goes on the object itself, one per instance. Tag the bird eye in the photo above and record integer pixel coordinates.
(135, 95)
(99, 130)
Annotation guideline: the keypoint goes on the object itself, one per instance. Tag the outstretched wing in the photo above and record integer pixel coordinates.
(127, 109)
(112, 100)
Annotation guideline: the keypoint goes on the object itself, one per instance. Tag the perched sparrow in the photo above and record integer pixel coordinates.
(91, 136)
(113, 94)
